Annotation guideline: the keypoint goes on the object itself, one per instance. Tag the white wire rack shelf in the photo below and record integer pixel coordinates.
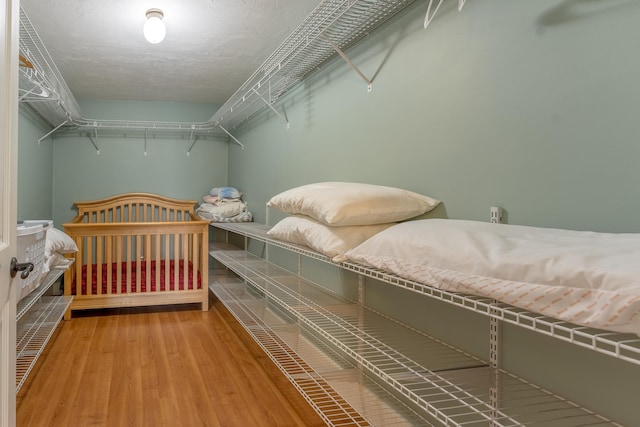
(37, 317)
(621, 346)
(34, 331)
(339, 23)
(41, 84)
(47, 281)
(443, 384)
(335, 388)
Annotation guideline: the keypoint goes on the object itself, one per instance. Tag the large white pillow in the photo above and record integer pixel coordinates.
(349, 203)
(56, 244)
(330, 241)
(59, 241)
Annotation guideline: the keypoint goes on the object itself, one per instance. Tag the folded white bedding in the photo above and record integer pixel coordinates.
(587, 278)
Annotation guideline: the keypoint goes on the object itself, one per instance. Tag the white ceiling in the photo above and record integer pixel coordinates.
(211, 47)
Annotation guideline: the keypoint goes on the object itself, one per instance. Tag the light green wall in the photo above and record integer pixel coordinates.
(529, 105)
(35, 168)
(79, 173)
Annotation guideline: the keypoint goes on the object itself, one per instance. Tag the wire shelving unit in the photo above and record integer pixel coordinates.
(332, 26)
(37, 316)
(432, 380)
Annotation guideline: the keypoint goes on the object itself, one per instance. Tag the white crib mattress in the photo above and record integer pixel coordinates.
(586, 278)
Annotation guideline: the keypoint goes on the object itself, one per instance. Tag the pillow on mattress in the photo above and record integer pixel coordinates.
(348, 203)
(330, 241)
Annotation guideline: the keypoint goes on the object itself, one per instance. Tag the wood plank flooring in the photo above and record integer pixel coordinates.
(168, 366)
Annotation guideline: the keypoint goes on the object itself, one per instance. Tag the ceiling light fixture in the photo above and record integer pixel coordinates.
(154, 29)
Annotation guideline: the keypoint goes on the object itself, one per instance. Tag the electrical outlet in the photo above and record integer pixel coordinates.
(495, 215)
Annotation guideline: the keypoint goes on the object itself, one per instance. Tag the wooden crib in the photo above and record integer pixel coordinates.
(137, 249)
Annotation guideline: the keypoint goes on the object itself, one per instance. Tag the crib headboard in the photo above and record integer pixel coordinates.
(135, 207)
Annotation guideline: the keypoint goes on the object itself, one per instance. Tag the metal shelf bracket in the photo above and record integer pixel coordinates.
(95, 143)
(145, 141)
(268, 104)
(52, 131)
(231, 136)
(192, 138)
(349, 62)
(430, 14)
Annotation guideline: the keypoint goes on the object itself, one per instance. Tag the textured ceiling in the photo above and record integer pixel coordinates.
(211, 47)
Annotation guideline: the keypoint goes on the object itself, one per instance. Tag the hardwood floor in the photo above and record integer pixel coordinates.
(168, 366)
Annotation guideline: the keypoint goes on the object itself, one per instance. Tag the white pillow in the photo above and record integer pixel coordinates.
(330, 241)
(59, 241)
(348, 203)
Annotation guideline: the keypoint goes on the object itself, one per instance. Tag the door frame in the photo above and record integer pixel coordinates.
(9, 19)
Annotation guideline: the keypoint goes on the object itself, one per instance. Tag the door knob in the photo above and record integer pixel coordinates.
(25, 267)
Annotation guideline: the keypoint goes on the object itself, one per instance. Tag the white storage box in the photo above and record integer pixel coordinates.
(31, 243)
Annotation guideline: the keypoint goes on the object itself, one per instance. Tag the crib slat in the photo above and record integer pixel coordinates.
(185, 262)
(109, 260)
(128, 266)
(176, 263)
(78, 264)
(89, 244)
(147, 259)
(167, 261)
(119, 244)
(99, 261)
(157, 258)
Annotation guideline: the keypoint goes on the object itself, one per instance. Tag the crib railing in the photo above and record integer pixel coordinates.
(137, 262)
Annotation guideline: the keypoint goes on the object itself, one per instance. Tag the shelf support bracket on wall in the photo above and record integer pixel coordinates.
(268, 104)
(430, 14)
(231, 136)
(95, 143)
(349, 61)
(192, 138)
(145, 141)
(52, 131)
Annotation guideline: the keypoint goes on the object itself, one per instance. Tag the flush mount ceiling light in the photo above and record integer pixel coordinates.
(154, 29)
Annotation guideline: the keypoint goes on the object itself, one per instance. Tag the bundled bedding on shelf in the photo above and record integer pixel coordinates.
(137, 249)
(224, 204)
(586, 278)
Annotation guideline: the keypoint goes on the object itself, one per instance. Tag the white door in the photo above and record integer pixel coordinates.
(9, 15)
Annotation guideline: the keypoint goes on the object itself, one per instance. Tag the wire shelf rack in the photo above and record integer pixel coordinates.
(25, 304)
(440, 382)
(333, 23)
(34, 331)
(343, 22)
(42, 84)
(325, 379)
(618, 345)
